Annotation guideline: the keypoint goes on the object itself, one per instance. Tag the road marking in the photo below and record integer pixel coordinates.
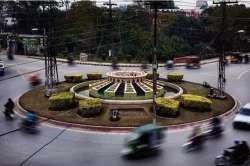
(243, 73)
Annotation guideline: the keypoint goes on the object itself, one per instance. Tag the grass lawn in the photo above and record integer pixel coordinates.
(35, 100)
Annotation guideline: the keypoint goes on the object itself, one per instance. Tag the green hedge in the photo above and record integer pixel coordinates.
(94, 76)
(73, 77)
(150, 76)
(63, 100)
(89, 107)
(199, 103)
(167, 107)
(175, 77)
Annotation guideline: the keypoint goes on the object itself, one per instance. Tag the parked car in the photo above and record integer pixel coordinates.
(2, 68)
(242, 118)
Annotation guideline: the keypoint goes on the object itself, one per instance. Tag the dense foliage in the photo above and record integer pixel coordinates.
(85, 27)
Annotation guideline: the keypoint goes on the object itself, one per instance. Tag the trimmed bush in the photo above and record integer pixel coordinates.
(167, 107)
(196, 102)
(63, 100)
(150, 76)
(89, 107)
(94, 76)
(73, 77)
(175, 77)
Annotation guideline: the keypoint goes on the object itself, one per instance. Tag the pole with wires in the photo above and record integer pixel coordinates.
(222, 77)
(111, 51)
(155, 5)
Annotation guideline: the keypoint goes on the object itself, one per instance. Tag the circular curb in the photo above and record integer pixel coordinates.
(126, 129)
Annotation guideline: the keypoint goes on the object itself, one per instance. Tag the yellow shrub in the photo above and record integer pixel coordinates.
(89, 107)
(175, 77)
(63, 100)
(167, 107)
(197, 102)
(94, 76)
(73, 77)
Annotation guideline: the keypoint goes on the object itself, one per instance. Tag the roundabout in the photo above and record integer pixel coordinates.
(93, 103)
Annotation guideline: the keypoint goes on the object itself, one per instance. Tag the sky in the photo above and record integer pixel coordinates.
(182, 4)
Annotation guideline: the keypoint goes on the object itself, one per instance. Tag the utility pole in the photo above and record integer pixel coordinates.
(221, 77)
(111, 51)
(155, 65)
(51, 72)
(155, 5)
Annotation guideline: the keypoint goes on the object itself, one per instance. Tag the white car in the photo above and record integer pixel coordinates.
(242, 118)
(2, 68)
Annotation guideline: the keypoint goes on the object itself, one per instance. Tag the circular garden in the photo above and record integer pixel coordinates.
(76, 102)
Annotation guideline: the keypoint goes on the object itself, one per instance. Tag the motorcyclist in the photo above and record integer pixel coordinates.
(35, 80)
(237, 156)
(9, 106)
(216, 125)
(31, 119)
(244, 151)
(196, 137)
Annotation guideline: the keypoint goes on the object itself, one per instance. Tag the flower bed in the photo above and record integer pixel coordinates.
(129, 90)
(110, 92)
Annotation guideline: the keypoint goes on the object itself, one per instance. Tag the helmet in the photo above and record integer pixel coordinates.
(236, 142)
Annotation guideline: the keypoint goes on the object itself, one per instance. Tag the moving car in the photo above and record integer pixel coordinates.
(236, 57)
(193, 62)
(2, 68)
(242, 118)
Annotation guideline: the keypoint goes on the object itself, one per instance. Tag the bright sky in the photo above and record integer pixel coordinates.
(182, 4)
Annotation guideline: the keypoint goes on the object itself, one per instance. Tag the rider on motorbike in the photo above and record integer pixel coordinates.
(216, 125)
(196, 137)
(31, 119)
(240, 152)
(9, 106)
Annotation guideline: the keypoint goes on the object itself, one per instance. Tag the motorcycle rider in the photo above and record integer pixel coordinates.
(216, 125)
(240, 152)
(9, 106)
(31, 119)
(196, 137)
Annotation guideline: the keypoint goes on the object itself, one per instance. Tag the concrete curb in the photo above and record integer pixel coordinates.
(213, 60)
(22, 111)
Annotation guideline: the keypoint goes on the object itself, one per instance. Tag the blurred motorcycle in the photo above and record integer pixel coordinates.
(35, 80)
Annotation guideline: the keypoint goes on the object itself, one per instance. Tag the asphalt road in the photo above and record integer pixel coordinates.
(63, 147)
